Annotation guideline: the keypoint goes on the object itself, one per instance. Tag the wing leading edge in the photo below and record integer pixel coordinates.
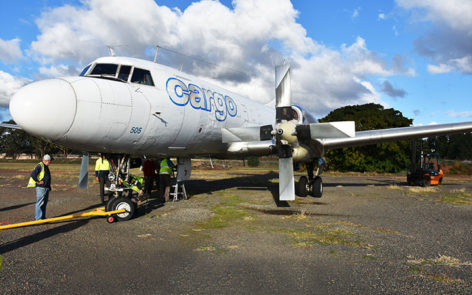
(385, 135)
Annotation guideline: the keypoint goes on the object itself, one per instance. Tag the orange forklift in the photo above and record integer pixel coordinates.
(425, 170)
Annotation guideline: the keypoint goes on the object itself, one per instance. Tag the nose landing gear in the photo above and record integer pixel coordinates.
(313, 184)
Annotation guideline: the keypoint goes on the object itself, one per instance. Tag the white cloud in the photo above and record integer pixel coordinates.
(440, 69)
(457, 14)
(449, 41)
(8, 86)
(382, 16)
(59, 70)
(464, 114)
(242, 37)
(10, 50)
(355, 13)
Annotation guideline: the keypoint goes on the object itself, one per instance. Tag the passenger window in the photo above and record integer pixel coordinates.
(84, 71)
(124, 73)
(141, 76)
(104, 69)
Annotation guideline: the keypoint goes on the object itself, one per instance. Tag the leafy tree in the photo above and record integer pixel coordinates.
(453, 147)
(384, 157)
(14, 142)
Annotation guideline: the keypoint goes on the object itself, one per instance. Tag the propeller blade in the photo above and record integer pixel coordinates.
(283, 100)
(286, 180)
(83, 178)
(342, 129)
(282, 86)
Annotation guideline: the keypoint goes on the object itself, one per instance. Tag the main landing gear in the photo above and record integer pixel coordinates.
(313, 184)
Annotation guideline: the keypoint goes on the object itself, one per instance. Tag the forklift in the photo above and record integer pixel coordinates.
(424, 170)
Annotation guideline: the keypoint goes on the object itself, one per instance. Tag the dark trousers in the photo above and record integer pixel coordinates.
(148, 183)
(103, 181)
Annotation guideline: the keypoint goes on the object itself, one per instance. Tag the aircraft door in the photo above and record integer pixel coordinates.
(165, 120)
(115, 109)
(140, 113)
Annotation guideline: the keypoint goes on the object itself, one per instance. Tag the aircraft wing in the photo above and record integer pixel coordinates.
(11, 126)
(385, 135)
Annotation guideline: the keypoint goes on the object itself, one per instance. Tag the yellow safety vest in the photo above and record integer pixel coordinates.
(101, 165)
(165, 169)
(31, 182)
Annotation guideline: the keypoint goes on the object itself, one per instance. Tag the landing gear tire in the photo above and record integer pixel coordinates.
(109, 206)
(302, 190)
(123, 203)
(317, 187)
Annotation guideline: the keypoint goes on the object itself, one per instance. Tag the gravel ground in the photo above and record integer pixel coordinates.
(367, 235)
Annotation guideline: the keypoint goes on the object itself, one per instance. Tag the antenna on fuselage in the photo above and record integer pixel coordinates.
(157, 51)
(112, 51)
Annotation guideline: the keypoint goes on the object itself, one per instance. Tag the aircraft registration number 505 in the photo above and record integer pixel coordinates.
(136, 130)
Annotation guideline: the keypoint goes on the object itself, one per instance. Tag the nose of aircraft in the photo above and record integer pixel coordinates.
(45, 108)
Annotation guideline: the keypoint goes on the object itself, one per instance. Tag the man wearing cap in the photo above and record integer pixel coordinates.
(41, 180)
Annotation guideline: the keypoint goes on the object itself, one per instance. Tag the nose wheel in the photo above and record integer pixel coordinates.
(118, 204)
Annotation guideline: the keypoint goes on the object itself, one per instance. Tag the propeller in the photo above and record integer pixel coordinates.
(284, 130)
(289, 138)
(84, 169)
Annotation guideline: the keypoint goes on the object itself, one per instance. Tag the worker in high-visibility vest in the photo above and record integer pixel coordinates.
(102, 168)
(41, 180)
(165, 171)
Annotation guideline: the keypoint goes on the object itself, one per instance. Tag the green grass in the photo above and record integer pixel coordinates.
(458, 198)
(224, 217)
(325, 235)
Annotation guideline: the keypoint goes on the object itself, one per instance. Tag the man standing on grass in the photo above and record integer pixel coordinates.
(41, 180)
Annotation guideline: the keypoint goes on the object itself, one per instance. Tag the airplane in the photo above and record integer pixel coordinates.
(133, 107)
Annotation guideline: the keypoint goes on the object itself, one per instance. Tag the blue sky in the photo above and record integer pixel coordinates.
(414, 56)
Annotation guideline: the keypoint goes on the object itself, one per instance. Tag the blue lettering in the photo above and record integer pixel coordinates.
(178, 91)
(201, 99)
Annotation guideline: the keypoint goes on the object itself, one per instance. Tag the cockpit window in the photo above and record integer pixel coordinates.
(124, 73)
(104, 69)
(85, 70)
(141, 76)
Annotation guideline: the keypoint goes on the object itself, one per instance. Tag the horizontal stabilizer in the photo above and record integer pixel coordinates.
(340, 129)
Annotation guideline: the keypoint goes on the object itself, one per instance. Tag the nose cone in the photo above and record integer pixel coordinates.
(45, 108)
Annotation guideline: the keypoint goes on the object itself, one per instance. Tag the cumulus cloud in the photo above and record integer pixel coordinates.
(449, 41)
(251, 36)
(393, 92)
(10, 50)
(59, 70)
(8, 86)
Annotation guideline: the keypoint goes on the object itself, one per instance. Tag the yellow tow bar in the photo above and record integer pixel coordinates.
(97, 212)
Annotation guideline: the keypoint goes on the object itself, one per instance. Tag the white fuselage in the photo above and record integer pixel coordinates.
(176, 114)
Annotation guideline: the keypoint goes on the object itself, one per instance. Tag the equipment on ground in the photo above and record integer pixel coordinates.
(426, 169)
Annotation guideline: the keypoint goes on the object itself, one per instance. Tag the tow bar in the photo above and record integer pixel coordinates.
(97, 212)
